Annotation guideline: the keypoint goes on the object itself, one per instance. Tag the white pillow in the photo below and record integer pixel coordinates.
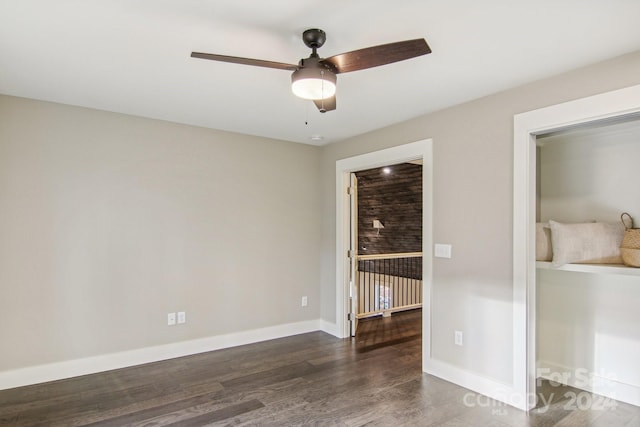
(586, 243)
(544, 249)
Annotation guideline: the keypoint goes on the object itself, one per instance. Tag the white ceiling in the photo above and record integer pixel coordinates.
(132, 56)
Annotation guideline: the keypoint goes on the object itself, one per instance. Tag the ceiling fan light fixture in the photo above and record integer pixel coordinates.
(313, 83)
(314, 78)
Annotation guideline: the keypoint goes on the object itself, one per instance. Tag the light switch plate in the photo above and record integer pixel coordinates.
(171, 319)
(442, 250)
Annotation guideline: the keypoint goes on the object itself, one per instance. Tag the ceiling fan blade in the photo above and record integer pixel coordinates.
(377, 55)
(327, 104)
(245, 61)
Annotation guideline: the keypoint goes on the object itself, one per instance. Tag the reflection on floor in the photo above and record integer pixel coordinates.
(577, 407)
(376, 332)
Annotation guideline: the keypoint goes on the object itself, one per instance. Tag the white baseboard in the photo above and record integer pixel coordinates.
(330, 327)
(496, 390)
(106, 362)
(592, 382)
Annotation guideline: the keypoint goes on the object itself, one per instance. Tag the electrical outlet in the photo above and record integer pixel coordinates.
(304, 301)
(171, 319)
(457, 337)
(182, 317)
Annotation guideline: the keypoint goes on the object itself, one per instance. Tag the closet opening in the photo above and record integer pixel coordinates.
(575, 320)
(586, 298)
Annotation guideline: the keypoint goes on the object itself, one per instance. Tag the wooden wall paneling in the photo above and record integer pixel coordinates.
(396, 200)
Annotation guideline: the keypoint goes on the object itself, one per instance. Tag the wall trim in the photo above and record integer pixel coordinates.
(597, 384)
(106, 362)
(330, 328)
(503, 393)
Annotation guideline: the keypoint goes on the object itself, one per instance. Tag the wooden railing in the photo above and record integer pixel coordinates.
(387, 283)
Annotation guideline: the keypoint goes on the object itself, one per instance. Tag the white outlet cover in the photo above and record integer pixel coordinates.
(458, 337)
(182, 317)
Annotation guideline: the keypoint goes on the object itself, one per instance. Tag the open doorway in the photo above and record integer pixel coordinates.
(421, 150)
(386, 233)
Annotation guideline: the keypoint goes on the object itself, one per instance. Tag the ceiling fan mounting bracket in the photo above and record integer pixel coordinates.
(314, 38)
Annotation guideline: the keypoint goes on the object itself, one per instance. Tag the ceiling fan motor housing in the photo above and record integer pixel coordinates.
(313, 80)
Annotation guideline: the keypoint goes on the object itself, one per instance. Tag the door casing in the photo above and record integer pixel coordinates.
(413, 151)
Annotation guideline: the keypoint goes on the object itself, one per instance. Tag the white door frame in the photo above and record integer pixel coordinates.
(607, 106)
(416, 150)
(353, 256)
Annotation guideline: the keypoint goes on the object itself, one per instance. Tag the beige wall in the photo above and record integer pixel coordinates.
(473, 203)
(108, 222)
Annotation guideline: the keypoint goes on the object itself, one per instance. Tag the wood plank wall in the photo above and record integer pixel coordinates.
(396, 200)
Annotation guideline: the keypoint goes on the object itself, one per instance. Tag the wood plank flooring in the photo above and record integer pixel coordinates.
(375, 332)
(310, 379)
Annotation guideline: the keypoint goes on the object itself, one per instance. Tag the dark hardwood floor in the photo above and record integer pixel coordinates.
(376, 332)
(308, 379)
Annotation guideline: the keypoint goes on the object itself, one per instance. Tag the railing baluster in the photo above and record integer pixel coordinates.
(385, 288)
(372, 287)
(368, 285)
(394, 274)
(388, 283)
(405, 278)
(413, 279)
(364, 285)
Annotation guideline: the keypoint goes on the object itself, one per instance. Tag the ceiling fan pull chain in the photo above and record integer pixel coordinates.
(306, 116)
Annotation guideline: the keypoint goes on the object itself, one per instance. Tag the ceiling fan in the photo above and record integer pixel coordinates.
(315, 78)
